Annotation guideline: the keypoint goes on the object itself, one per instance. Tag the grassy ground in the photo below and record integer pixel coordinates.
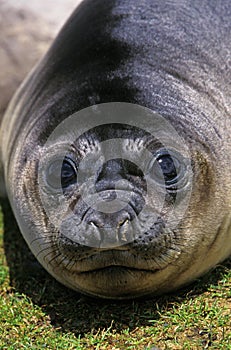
(36, 312)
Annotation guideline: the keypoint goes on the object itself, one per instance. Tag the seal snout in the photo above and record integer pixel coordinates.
(114, 229)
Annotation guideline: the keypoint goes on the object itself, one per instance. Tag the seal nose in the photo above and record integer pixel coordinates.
(114, 229)
(98, 220)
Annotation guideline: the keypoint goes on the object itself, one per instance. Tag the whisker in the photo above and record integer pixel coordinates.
(54, 257)
(45, 249)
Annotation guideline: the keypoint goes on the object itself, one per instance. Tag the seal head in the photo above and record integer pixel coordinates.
(117, 148)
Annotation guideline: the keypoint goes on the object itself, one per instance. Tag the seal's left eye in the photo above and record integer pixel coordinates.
(168, 168)
(68, 173)
(61, 173)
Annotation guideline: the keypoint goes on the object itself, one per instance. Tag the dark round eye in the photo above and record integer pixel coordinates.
(167, 168)
(61, 173)
(68, 173)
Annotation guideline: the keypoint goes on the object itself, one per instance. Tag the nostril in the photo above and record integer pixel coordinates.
(95, 223)
(123, 218)
(102, 220)
(95, 220)
(124, 231)
(123, 222)
(92, 223)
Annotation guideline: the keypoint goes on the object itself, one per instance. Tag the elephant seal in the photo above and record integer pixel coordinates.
(168, 176)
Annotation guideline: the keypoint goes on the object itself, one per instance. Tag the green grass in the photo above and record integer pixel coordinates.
(36, 312)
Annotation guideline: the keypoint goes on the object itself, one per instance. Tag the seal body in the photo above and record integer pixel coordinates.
(169, 57)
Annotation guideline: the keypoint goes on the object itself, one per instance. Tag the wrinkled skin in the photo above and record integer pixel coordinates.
(173, 58)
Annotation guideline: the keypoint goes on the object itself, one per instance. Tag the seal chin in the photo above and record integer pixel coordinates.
(115, 282)
(117, 273)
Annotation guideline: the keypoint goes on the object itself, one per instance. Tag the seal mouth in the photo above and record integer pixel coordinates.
(119, 268)
(114, 261)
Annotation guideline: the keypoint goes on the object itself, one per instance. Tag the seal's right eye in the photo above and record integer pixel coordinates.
(61, 173)
(68, 173)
